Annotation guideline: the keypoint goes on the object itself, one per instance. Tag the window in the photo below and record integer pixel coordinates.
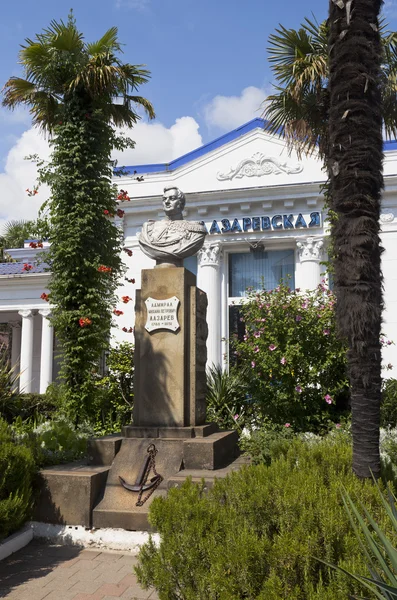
(260, 270)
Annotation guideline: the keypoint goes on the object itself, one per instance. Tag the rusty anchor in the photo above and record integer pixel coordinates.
(142, 484)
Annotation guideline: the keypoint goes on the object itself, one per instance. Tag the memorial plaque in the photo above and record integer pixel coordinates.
(162, 314)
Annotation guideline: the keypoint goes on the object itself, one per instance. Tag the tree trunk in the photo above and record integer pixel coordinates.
(355, 166)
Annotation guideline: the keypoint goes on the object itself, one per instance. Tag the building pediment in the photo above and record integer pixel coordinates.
(247, 158)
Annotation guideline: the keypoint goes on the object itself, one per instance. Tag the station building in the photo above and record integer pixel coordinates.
(264, 211)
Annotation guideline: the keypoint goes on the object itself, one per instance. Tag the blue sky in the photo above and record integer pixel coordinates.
(208, 62)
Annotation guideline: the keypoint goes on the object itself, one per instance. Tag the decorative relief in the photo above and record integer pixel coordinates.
(257, 166)
(45, 312)
(209, 255)
(387, 217)
(310, 248)
(26, 313)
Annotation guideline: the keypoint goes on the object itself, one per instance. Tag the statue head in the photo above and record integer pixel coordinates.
(173, 201)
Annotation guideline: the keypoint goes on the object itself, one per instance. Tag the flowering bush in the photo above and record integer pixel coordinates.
(298, 364)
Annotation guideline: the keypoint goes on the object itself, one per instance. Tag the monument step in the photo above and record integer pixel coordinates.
(212, 452)
(68, 493)
(133, 431)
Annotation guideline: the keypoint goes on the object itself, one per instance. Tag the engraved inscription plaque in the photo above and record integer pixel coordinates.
(162, 314)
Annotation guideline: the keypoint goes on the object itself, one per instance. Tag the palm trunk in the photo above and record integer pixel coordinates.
(355, 164)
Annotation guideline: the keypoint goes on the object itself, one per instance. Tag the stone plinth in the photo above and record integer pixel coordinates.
(170, 350)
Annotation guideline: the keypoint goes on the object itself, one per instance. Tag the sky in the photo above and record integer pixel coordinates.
(208, 64)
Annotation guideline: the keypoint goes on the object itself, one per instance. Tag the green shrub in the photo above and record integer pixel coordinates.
(388, 410)
(297, 363)
(28, 406)
(55, 441)
(17, 469)
(114, 398)
(258, 533)
(228, 402)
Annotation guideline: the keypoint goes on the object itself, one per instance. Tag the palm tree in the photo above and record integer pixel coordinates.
(78, 93)
(13, 235)
(307, 110)
(58, 65)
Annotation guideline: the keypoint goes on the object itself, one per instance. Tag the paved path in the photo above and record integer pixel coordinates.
(39, 572)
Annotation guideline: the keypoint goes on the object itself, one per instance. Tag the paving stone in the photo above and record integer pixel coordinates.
(89, 587)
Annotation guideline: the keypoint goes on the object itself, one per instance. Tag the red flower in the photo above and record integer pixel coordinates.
(123, 195)
(120, 213)
(124, 329)
(126, 299)
(129, 280)
(117, 312)
(45, 297)
(128, 251)
(32, 192)
(39, 244)
(84, 322)
(130, 330)
(33, 245)
(103, 269)
(106, 212)
(27, 267)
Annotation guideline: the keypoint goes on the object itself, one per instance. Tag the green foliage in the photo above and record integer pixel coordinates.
(376, 546)
(17, 469)
(52, 441)
(27, 406)
(256, 533)
(298, 364)
(8, 380)
(80, 92)
(115, 391)
(228, 402)
(388, 408)
(13, 235)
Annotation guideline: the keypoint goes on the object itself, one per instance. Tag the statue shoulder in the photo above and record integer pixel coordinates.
(197, 226)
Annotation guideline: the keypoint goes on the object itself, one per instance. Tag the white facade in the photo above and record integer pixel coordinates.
(250, 193)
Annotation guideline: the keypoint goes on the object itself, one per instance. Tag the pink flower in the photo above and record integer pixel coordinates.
(253, 364)
(256, 349)
(305, 304)
(298, 389)
(272, 347)
(287, 425)
(326, 331)
(389, 366)
(235, 417)
(257, 334)
(297, 290)
(298, 318)
(283, 360)
(328, 399)
(338, 426)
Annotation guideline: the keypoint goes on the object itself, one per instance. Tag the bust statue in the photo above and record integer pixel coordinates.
(171, 240)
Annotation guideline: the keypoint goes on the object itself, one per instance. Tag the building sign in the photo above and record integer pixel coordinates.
(162, 314)
(274, 223)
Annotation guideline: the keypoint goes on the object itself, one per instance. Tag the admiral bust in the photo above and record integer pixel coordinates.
(171, 240)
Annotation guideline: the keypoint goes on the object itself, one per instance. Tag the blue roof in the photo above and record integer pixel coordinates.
(217, 143)
(16, 268)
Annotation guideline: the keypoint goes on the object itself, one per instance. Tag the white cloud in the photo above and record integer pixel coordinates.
(136, 4)
(155, 143)
(228, 112)
(20, 174)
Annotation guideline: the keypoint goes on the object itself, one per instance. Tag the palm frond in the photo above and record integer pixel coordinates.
(108, 42)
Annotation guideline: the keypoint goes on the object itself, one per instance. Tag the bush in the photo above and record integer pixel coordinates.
(28, 406)
(17, 469)
(388, 410)
(115, 392)
(53, 442)
(297, 363)
(228, 402)
(258, 533)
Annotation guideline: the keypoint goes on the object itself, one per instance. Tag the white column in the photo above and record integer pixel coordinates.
(310, 251)
(15, 349)
(26, 362)
(47, 350)
(208, 280)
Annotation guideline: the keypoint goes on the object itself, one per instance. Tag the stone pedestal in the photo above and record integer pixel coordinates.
(170, 350)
